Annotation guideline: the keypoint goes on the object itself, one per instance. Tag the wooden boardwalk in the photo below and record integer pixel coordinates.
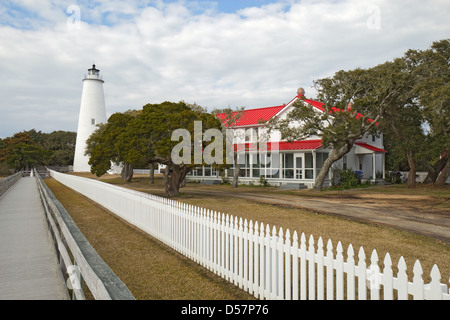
(28, 264)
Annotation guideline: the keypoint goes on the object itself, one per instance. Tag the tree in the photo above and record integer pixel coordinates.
(113, 142)
(157, 124)
(354, 102)
(230, 118)
(144, 137)
(403, 119)
(61, 147)
(432, 74)
(417, 125)
(21, 151)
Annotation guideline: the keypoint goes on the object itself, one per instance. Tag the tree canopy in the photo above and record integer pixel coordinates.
(28, 149)
(142, 137)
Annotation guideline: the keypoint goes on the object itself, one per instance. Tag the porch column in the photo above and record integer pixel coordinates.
(374, 162)
(383, 156)
(314, 155)
(281, 166)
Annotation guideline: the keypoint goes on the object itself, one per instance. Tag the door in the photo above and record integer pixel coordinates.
(299, 166)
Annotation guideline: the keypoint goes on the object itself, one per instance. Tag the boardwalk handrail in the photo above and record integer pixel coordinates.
(102, 282)
(6, 183)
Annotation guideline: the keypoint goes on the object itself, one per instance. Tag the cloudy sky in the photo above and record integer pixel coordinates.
(252, 53)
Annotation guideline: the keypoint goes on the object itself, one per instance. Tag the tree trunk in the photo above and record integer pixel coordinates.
(334, 156)
(434, 170)
(174, 180)
(166, 174)
(237, 168)
(412, 170)
(440, 181)
(152, 173)
(127, 172)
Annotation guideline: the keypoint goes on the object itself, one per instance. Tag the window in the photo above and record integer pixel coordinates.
(93, 121)
(245, 167)
(256, 165)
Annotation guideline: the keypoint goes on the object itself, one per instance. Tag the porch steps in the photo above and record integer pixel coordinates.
(295, 186)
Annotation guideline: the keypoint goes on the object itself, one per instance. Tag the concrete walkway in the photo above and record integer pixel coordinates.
(28, 263)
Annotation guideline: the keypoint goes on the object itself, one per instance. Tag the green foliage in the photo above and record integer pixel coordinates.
(23, 151)
(33, 148)
(139, 138)
(263, 181)
(61, 145)
(347, 179)
(417, 126)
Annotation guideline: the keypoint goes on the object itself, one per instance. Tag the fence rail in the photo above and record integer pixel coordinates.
(7, 182)
(87, 266)
(264, 261)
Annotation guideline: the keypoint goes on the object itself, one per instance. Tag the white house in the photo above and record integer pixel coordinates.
(296, 162)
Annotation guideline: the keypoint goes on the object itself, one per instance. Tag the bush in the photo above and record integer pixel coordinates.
(263, 181)
(394, 177)
(348, 178)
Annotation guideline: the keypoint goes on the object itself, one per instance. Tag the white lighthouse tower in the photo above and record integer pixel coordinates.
(92, 112)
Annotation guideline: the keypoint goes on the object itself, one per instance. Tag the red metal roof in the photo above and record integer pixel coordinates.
(254, 116)
(300, 145)
(368, 146)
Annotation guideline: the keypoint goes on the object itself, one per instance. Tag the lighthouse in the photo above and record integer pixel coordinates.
(92, 113)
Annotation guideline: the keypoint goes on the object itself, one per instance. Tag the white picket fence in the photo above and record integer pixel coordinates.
(268, 263)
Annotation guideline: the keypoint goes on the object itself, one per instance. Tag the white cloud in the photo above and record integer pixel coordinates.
(255, 57)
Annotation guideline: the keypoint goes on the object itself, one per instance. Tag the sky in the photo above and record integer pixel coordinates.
(218, 54)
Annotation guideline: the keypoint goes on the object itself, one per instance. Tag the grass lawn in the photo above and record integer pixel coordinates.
(138, 256)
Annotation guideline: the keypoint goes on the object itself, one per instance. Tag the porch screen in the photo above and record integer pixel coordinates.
(309, 167)
(288, 166)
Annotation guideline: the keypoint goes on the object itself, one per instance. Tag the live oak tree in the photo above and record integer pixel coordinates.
(230, 118)
(144, 137)
(432, 72)
(354, 102)
(61, 147)
(113, 143)
(23, 150)
(417, 124)
(403, 119)
(158, 122)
